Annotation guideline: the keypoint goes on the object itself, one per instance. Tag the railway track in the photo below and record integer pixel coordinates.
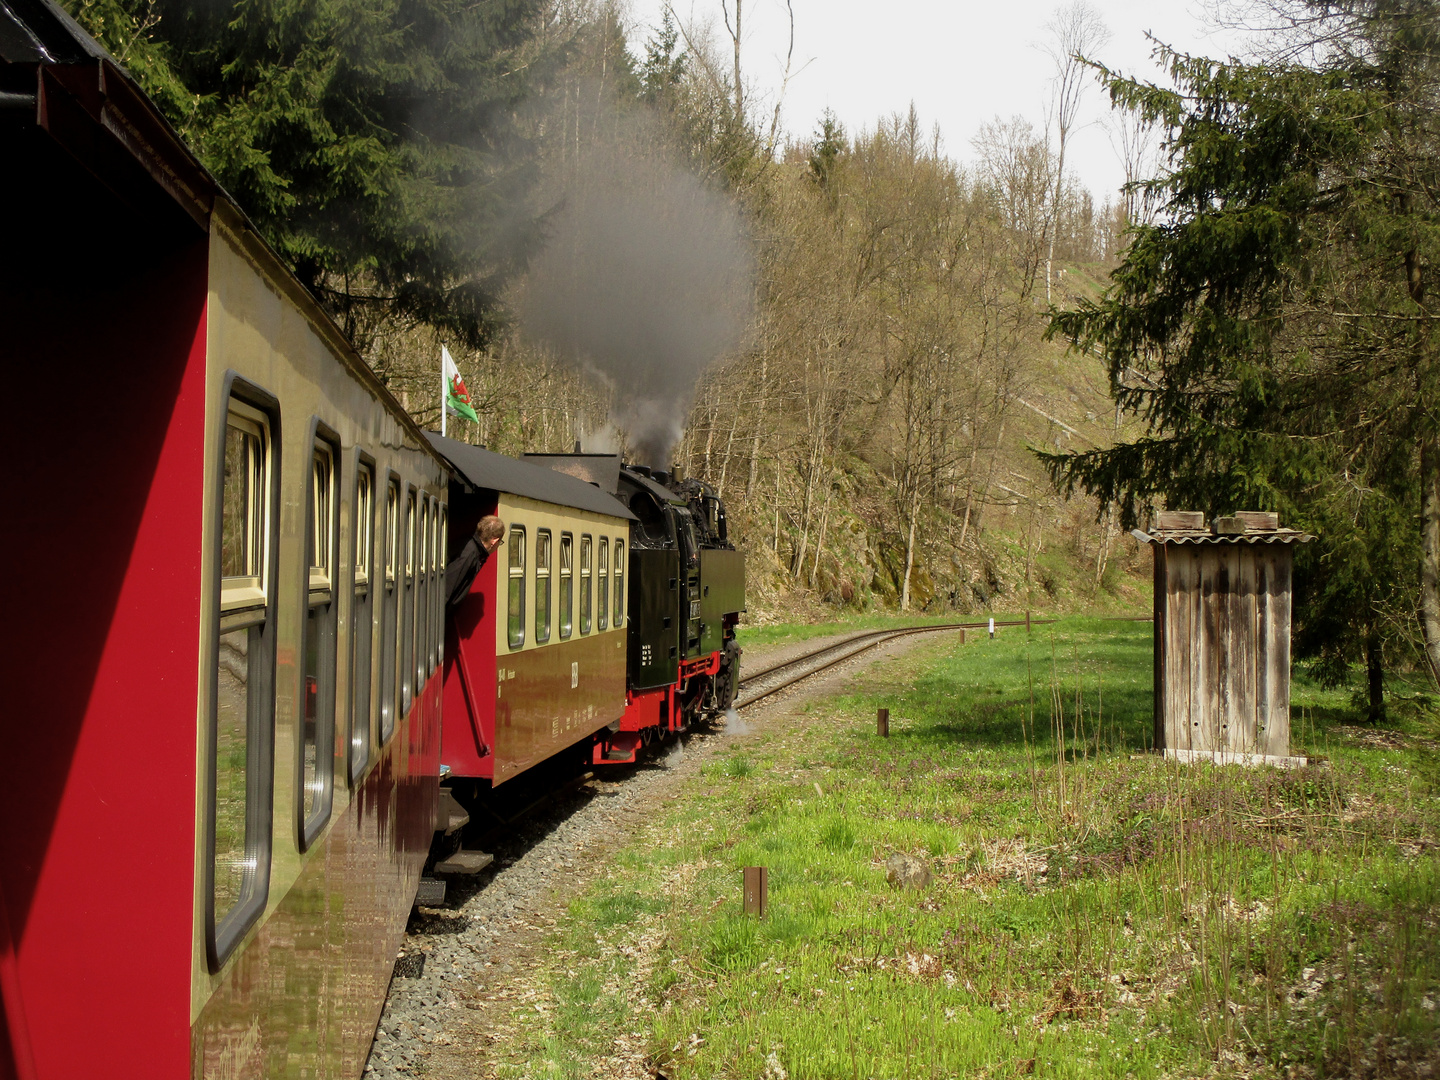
(758, 685)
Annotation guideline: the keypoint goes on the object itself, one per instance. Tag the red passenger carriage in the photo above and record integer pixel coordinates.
(223, 601)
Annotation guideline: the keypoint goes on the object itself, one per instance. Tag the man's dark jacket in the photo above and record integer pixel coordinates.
(460, 571)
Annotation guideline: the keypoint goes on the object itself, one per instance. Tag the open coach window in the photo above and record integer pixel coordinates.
(241, 705)
(542, 586)
(586, 594)
(317, 746)
(602, 576)
(567, 583)
(619, 582)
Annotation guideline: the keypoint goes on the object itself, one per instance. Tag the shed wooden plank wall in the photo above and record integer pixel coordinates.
(1222, 669)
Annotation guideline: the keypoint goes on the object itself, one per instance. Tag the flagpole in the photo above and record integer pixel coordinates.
(443, 388)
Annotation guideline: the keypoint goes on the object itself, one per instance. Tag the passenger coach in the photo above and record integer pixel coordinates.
(537, 651)
(224, 576)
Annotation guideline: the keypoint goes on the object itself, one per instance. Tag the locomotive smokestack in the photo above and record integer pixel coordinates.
(646, 279)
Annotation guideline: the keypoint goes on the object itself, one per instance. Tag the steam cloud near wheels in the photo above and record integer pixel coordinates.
(645, 282)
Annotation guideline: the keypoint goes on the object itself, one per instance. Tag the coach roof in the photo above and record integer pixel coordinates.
(496, 472)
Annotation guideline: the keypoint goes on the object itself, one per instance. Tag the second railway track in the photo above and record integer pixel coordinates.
(757, 685)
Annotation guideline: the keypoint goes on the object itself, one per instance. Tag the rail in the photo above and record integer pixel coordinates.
(863, 641)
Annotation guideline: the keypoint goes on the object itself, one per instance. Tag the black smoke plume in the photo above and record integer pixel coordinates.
(646, 279)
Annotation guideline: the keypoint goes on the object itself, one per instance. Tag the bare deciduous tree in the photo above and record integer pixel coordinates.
(1075, 32)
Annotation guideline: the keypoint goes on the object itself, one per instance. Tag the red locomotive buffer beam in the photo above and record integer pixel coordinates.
(650, 714)
(646, 713)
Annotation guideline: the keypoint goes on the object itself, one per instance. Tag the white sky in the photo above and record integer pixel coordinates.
(961, 62)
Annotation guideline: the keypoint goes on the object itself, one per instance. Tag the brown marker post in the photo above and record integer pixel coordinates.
(1027, 623)
(882, 723)
(757, 887)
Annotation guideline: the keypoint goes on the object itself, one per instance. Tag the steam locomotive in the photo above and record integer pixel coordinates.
(234, 679)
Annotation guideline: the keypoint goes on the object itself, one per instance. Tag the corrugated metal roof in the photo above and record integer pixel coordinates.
(1205, 536)
(496, 472)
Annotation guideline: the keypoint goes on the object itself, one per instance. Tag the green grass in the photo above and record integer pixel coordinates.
(1095, 911)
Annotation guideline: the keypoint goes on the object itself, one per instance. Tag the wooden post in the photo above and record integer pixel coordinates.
(757, 887)
(1027, 622)
(962, 635)
(882, 723)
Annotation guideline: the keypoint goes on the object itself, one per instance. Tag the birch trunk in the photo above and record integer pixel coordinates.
(797, 568)
(729, 445)
(759, 424)
(1102, 556)
(820, 539)
(910, 549)
(775, 537)
(969, 488)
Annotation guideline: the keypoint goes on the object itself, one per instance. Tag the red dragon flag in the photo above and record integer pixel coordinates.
(457, 398)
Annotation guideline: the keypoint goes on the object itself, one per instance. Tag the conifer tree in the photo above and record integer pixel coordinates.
(1274, 328)
(378, 144)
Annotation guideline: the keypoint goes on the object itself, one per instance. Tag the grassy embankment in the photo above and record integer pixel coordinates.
(1095, 911)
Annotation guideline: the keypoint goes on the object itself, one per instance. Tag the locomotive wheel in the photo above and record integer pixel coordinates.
(727, 679)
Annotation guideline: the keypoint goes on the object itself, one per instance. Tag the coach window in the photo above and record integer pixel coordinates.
(441, 540)
(241, 717)
(389, 615)
(361, 621)
(432, 523)
(602, 575)
(437, 566)
(586, 587)
(422, 595)
(436, 602)
(542, 586)
(567, 583)
(317, 753)
(619, 583)
(407, 608)
(515, 600)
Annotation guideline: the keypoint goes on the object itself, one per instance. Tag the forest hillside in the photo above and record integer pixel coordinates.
(925, 377)
(871, 426)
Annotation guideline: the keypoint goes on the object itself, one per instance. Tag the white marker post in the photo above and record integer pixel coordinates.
(992, 627)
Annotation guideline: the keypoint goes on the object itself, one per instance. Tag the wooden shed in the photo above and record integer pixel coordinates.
(1222, 636)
